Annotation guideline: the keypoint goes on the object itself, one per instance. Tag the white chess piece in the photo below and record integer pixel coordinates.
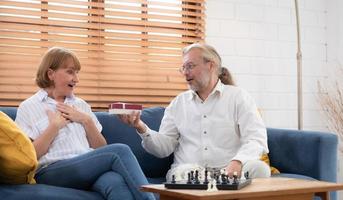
(178, 176)
(243, 176)
(223, 171)
(202, 174)
(235, 173)
(209, 186)
(214, 185)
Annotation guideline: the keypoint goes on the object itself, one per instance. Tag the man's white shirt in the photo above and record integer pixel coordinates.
(211, 133)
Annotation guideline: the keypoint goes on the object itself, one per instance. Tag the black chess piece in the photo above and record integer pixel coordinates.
(227, 179)
(173, 179)
(192, 175)
(246, 175)
(224, 180)
(235, 179)
(196, 179)
(189, 178)
(216, 176)
(206, 180)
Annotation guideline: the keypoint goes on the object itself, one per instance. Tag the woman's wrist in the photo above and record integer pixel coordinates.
(86, 120)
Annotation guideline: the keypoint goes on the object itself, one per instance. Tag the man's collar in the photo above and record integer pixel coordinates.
(217, 89)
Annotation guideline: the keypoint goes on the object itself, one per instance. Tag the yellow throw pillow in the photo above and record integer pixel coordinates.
(18, 161)
(273, 170)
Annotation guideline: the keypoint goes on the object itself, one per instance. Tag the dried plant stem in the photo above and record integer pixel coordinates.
(332, 104)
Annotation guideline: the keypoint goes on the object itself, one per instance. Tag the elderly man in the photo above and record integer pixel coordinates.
(211, 125)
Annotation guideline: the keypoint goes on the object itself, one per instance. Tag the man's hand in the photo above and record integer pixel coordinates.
(72, 113)
(134, 120)
(234, 166)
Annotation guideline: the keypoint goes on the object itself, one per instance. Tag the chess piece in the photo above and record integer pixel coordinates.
(227, 179)
(243, 176)
(216, 177)
(206, 177)
(189, 178)
(246, 175)
(209, 186)
(196, 178)
(223, 171)
(214, 185)
(178, 176)
(173, 179)
(223, 177)
(235, 178)
(235, 173)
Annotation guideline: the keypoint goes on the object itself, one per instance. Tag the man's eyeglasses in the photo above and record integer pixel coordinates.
(187, 67)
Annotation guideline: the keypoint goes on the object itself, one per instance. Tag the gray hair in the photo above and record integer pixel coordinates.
(208, 53)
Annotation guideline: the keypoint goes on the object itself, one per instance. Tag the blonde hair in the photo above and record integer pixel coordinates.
(53, 59)
(208, 53)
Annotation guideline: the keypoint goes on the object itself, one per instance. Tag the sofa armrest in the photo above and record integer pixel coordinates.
(10, 111)
(309, 153)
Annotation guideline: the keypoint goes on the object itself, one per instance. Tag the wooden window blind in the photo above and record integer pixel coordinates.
(130, 50)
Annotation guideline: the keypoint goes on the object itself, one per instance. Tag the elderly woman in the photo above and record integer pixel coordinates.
(67, 136)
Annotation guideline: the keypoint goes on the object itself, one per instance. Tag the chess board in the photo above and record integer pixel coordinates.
(204, 186)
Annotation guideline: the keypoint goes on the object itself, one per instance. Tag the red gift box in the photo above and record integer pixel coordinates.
(124, 108)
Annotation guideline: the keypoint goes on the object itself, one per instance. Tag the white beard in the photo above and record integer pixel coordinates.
(201, 83)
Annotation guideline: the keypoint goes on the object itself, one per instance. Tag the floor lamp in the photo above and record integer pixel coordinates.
(299, 70)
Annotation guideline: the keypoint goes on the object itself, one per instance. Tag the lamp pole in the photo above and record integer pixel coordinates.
(299, 70)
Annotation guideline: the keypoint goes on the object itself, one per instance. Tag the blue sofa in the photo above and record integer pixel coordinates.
(301, 154)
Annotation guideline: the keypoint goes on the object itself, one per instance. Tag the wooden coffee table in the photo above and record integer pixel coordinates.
(260, 189)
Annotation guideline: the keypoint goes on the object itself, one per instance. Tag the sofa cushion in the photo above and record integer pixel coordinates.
(273, 170)
(18, 160)
(115, 131)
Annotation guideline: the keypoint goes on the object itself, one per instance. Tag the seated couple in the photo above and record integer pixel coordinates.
(226, 130)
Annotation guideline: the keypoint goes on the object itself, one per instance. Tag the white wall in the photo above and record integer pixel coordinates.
(335, 32)
(257, 41)
(335, 55)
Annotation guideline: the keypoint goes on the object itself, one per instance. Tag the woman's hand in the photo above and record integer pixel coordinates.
(56, 119)
(43, 141)
(94, 137)
(72, 114)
